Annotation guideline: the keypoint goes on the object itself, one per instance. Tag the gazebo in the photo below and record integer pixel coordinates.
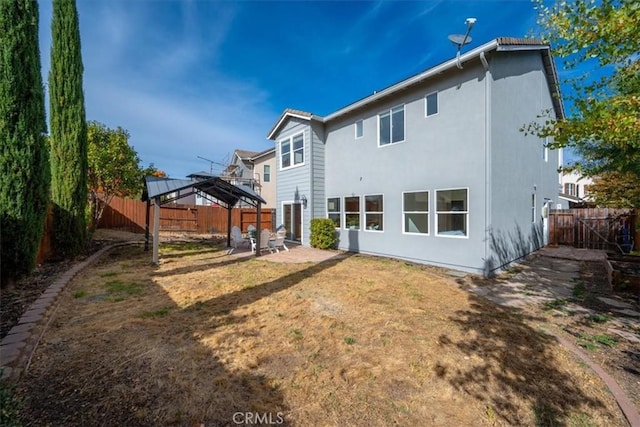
(210, 187)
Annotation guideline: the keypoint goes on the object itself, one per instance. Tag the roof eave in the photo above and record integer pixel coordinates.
(414, 80)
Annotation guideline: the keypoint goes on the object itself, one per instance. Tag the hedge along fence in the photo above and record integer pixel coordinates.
(128, 214)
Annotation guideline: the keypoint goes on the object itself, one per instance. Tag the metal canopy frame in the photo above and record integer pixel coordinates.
(210, 187)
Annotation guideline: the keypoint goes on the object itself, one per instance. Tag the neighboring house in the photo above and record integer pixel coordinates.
(264, 169)
(433, 169)
(574, 190)
(255, 170)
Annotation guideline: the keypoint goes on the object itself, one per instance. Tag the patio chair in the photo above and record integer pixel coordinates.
(265, 241)
(265, 237)
(236, 237)
(279, 241)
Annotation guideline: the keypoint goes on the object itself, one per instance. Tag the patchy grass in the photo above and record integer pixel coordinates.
(205, 335)
(349, 340)
(555, 304)
(598, 318)
(127, 288)
(79, 294)
(579, 291)
(162, 312)
(590, 342)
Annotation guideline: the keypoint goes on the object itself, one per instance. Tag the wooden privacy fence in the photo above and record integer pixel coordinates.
(601, 228)
(130, 215)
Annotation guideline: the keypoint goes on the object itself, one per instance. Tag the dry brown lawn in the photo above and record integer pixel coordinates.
(352, 341)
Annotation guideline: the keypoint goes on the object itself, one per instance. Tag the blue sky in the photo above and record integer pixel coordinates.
(202, 78)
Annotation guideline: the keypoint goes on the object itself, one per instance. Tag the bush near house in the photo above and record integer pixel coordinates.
(323, 233)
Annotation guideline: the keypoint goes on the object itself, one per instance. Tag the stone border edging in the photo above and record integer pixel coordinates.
(18, 346)
(628, 408)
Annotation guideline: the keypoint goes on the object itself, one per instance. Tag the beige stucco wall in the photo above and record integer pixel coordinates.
(268, 189)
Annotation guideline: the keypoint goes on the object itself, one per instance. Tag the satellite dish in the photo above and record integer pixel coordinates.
(459, 39)
(462, 39)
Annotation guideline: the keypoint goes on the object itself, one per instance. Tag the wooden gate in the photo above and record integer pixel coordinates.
(601, 228)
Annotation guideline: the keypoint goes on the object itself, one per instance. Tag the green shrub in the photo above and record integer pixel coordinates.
(323, 233)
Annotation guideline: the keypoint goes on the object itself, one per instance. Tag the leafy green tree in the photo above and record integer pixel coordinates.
(24, 160)
(114, 168)
(616, 189)
(600, 42)
(68, 131)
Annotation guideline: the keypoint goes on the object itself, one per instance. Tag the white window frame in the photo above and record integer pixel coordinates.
(345, 213)
(404, 125)
(381, 213)
(571, 187)
(292, 163)
(435, 195)
(355, 126)
(339, 212)
(427, 212)
(426, 112)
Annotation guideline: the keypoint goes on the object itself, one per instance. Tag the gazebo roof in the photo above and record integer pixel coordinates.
(211, 185)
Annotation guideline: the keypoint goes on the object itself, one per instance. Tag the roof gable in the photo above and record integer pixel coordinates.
(285, 116)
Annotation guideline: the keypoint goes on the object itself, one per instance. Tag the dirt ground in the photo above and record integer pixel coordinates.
(210, 338)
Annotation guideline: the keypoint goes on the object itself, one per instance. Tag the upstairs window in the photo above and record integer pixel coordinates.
(266, 175)
(431, 104)
(391, 126)
(359, 129)
(292, 151)
(333, 210)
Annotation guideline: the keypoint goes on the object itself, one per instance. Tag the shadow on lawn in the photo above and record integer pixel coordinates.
(245, 296)
(519, 360)
(138, 361)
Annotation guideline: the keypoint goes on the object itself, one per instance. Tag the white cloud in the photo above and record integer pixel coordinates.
(151, 68)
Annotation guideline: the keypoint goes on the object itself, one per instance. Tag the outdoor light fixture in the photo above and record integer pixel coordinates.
(462, 39)
(303, 199)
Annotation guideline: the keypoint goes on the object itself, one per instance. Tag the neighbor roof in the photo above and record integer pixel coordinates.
(245, 154)
(500, 44)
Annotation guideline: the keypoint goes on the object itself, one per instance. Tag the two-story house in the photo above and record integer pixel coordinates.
(434, 169)
(254, 169)
(574, 190)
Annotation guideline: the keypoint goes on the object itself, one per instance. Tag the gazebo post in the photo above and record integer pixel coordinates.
(156, 229)
(229, 225)
(259, 228)
(146, 226)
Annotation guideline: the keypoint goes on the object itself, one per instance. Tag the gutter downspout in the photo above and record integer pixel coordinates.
(487, 163)
(311, 186)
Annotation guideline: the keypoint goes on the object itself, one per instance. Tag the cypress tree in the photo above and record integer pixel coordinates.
(68, 131)
(24, 160)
